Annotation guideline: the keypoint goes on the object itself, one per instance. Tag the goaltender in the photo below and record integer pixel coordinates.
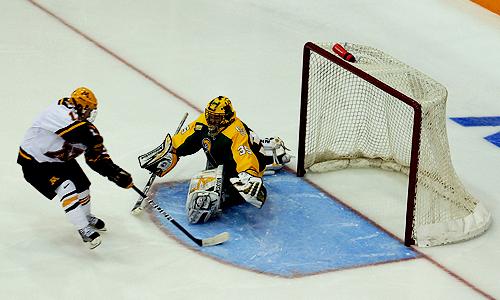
(236, 161)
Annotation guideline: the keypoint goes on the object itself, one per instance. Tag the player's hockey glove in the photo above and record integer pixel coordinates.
(98, 160)
(250, 188)
(121, 177)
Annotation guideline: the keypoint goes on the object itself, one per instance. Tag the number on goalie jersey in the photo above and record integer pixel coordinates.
(47, 156)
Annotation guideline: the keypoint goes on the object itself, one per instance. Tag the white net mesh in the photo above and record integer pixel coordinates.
(352, 123)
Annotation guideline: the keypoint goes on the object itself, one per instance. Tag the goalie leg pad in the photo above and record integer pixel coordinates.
(204, 198)
(201, 206)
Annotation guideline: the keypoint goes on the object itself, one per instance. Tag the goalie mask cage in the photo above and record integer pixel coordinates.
(379, 112)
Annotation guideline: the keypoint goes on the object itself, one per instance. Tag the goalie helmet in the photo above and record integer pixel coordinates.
(85, 103)
(219, 114)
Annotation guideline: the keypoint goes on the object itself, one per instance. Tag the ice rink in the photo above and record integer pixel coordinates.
(148, 62)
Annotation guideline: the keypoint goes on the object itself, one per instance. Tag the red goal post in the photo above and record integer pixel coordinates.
(379, 112)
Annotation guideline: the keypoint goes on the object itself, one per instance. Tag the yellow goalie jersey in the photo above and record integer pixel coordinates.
(236, 147)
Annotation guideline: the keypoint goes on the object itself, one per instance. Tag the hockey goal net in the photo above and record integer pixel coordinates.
(379, 112)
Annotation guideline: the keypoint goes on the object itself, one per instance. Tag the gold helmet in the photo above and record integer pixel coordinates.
(219, 114)
(85, 103)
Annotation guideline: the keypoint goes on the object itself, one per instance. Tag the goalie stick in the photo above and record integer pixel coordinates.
(211, 241)
(138, 204)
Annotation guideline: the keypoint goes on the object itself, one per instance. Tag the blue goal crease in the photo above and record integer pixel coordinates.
(299, 231)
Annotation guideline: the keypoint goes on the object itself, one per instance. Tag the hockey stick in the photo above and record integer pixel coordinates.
(211, 241)
(205, 145)
(138, 204)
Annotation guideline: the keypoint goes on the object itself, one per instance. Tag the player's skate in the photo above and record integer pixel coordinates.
(96, 223)
(90, 236)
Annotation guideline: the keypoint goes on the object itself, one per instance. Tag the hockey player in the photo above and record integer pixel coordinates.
(47, 156)
(236, 161)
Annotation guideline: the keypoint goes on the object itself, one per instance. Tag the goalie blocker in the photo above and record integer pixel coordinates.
(160, 160)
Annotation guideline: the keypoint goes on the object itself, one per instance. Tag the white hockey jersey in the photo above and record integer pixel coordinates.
(47, 138)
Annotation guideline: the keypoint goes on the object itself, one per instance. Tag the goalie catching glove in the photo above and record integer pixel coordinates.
(275, 152)
(160, 160)
(250, 188)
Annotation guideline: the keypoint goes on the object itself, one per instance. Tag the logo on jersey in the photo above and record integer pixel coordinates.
(67, 152)
(241, 130)
(53, 180)
(206, 144)
(186, 128)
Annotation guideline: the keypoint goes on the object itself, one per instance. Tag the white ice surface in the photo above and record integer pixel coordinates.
(250, 51)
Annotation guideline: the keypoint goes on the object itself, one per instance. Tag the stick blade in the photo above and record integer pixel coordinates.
(136, 210)
(215, 240)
